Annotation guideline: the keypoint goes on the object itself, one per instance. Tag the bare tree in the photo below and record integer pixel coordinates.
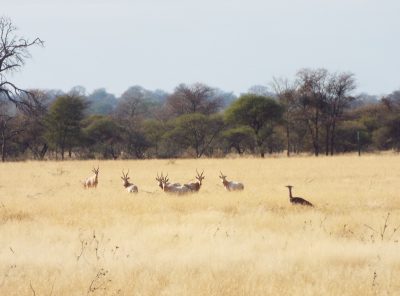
(286, 92)
(8, 126)
(392, 101)
(338, 98)
(195, 98)
(14, 50)
(133, 106)
(33, 121)
(261, 90)
(311, 100)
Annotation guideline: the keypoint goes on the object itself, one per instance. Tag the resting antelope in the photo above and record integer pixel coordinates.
(128, 185)
(231, 185)
(171, 188)
(161, 181)
(93, 180)
(195, 187)
(298, 200)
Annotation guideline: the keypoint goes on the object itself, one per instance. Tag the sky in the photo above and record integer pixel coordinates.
(229, 44)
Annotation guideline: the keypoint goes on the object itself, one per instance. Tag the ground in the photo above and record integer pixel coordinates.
(59, 239)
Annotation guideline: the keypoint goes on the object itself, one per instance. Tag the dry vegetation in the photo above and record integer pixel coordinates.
(60, 239)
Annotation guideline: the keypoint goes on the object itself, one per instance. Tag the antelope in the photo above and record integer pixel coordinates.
(171, 188)
(128, 185)
(195, 187)
(231, 185)
(161, 181)
(93, 180)
(298, 200)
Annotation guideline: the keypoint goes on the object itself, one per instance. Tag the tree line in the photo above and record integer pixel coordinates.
(314, 112)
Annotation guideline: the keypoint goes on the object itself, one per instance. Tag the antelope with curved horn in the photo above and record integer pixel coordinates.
(128, 185)
(92, 181)
(231, 185)
(298, 200)
(195, 187)
(171, 188)
(160, 180)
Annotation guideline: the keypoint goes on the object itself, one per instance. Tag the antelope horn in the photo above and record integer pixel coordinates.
(199, 175)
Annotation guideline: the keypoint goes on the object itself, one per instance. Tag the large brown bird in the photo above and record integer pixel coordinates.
(298, 200)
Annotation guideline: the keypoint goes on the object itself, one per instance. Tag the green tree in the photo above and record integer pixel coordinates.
(347, 132)
(197, 131)
(388, 136)
(154, 131)
(64, 123)
(257, 112)
(103, 134)
(239, 138)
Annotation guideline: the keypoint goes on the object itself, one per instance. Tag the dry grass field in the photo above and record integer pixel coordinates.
(57, 238)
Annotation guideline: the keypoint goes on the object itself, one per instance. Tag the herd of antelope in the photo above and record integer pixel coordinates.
(177, 188)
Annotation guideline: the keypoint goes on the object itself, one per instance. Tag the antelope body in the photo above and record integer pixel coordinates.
(298, 200)
(231, 185)
(130, 187)
(195, 187)
(171, 188)
(92, 181)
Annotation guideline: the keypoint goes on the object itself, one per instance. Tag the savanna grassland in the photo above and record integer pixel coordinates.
(57, 238)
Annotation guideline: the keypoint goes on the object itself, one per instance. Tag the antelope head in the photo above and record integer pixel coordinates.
(96, 171)
(166, 179)
(222, 176)
(200, 177)
(125, 178)
(161, 180)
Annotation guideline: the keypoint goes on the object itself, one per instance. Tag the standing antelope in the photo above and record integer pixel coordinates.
(128, 185)
(93, 180)
(195, 187)
(298, 200)
(231, 185)
(171, 188)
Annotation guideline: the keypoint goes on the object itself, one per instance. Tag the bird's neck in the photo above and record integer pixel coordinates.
(290, 193)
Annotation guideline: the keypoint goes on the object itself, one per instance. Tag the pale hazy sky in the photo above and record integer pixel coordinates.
(230, 44)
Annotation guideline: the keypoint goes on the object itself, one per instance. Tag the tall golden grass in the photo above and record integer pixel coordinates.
(60, 239)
